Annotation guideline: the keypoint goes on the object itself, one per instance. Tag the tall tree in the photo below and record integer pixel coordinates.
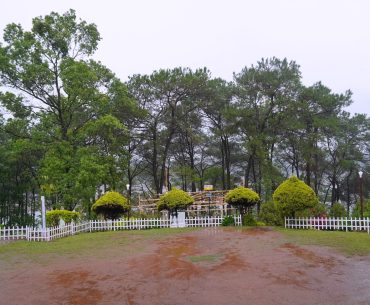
(263, 94)
(50, 76)
(219, 112)
(164, 94)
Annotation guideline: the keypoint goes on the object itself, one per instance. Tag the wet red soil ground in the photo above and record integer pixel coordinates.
(210, 266)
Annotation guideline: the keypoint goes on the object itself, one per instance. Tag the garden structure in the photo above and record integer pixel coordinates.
(203, 202)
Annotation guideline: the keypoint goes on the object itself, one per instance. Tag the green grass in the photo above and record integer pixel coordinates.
(84, 244)
(349, 243)
(203, 258)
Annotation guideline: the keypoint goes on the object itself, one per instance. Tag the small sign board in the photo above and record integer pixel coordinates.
(136, 188)
(208, 187)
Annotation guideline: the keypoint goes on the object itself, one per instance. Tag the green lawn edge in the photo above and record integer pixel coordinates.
(348, 243)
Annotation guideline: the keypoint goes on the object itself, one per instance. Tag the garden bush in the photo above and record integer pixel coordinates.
(111, 205)
(228, 221)
(53, 217)
(242, 198)
(270, 214)
(292, 196)
(319, 210)
(143, 215)
(174, 200)
(249, 220)
(357, 209)
(338, 210)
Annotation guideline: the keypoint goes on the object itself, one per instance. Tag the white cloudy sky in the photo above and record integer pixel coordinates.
(329, 39)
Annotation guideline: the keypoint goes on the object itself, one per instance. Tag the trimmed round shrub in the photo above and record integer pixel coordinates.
(228, 221)
(338, 210)
(111, 205)
(293, 195)
(174, 200)
(53, 217)
(270, 214)
(242, 198)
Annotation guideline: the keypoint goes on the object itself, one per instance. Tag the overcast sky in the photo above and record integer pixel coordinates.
(329, 39)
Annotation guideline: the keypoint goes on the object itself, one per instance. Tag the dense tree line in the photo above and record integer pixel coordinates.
(70, 129)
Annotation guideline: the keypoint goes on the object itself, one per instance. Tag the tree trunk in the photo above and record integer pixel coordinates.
(227, 163)
(223, 166)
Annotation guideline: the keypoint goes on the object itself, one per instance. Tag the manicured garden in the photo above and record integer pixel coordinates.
(349, 243)
(232, 264)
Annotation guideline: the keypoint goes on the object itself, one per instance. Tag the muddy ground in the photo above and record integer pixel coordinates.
(213, 266)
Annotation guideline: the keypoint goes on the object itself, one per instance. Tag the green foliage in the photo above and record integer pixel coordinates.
(170, 95)
(111, 205)
(249, 220)
(319, 210)
(294, 195)
(67, 108)
(143, 215)
(242, 198)
(71, 126)
(270, 214)
(53, 217)
(260, 224)
(174, 200)
(228, 221)
(357, 209)
(338, 210)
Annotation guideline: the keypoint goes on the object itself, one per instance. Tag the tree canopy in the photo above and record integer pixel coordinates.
(174, 200)
(293, 195)
(71, 130)
(111, 205)
(242, 198)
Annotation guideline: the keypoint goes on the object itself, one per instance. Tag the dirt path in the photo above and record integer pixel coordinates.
(210, 266)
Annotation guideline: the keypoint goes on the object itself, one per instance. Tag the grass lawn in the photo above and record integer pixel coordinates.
(99, 243)
(349, 243)
(83, 244)
(203, 258)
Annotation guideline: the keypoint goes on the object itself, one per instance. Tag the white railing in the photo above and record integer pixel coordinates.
(209, 221)
(51, 233)
(13, 233)
(132, 224)
(322, 223)
(67, 230)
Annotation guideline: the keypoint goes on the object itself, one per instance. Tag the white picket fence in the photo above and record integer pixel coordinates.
(321, 223)
(13, 233)
(209, 221)
(52, 233)
(132, 224)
